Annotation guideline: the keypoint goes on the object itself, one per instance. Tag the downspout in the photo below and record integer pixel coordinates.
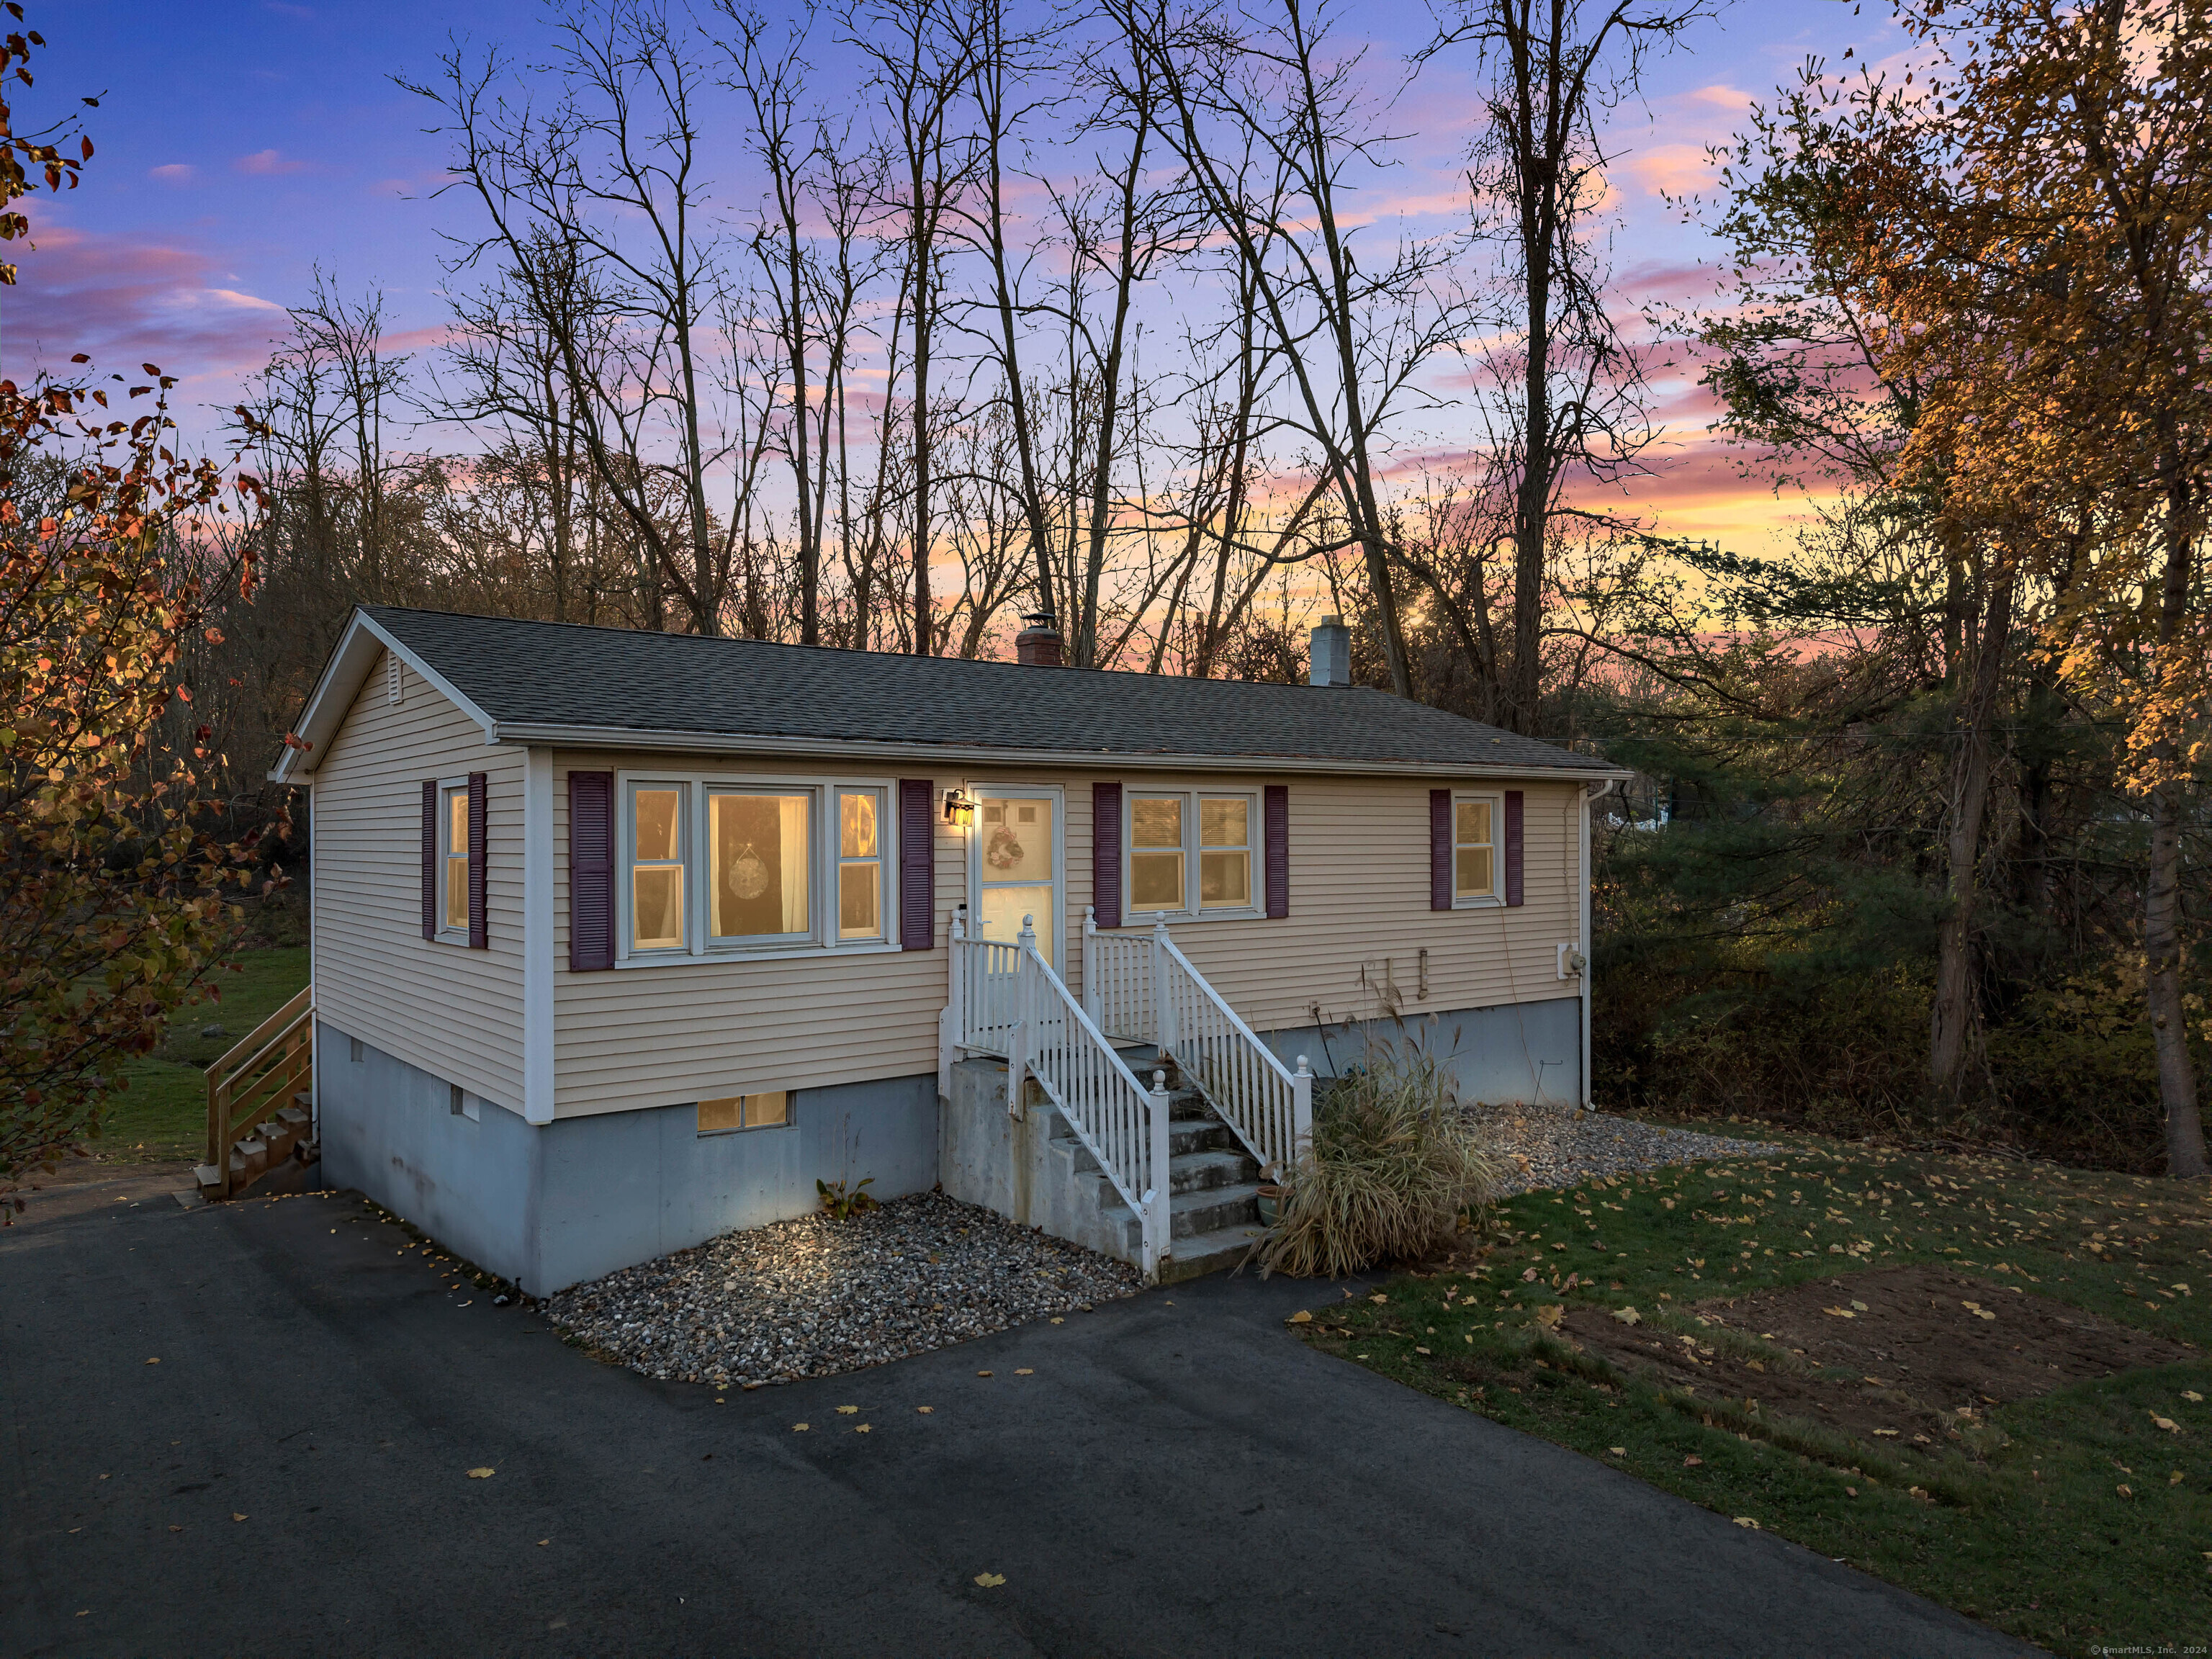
(1591, 795)
(315, 1002)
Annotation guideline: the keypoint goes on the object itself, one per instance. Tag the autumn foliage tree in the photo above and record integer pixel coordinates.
(112, 878)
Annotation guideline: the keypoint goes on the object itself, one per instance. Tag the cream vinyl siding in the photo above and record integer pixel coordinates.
(674, 1032)
(455, 1012)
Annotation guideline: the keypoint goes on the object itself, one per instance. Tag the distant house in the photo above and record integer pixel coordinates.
(624, 939)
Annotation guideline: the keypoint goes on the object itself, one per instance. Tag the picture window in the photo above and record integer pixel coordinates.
(759, 855)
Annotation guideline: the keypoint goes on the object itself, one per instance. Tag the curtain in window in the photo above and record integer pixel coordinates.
(791, 812)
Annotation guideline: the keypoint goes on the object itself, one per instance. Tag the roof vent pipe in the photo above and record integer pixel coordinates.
(1331, 661)
(1038, 643)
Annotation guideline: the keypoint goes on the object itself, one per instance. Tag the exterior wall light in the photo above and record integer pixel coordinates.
(959, 806)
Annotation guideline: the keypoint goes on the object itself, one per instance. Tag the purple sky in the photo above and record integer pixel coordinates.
(240, 145)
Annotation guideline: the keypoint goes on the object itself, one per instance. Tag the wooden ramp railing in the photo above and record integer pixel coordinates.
(253, 1085)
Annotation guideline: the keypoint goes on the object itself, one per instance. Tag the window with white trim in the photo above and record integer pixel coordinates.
(717, 865)
(1475, 857)
(453, 858)
(1191, 852)
(656, 866)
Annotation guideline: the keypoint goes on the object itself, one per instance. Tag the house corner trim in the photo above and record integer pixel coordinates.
(538, 935)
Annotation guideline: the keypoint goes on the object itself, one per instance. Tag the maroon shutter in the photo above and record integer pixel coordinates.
(1440, 849)
(430, 860)
(917, 865)
(591, 870)
(479, 920)
(1106, 853)
(1276, 817)
(1513, 846)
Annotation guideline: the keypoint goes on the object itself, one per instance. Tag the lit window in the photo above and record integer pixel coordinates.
(766, 1111)
(656, 879)
(757, 845)
(1474, 848)
(1156, 853)
(456, 860)
(860, 864)
(1224, 852)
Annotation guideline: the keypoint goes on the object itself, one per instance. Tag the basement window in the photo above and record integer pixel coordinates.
(763, 1111)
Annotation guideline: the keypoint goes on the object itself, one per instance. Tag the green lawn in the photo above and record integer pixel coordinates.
(2082, 1518)
(163, 1114)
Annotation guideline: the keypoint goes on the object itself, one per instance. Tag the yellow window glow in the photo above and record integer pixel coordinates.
(758, 844)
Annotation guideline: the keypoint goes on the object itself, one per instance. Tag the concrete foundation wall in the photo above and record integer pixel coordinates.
(549, 1207)
(1525, 1052)
(1019, 1168)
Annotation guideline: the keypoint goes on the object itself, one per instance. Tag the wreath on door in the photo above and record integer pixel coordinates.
(1002, 851)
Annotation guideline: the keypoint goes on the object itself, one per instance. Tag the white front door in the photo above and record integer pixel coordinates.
(1014, 866)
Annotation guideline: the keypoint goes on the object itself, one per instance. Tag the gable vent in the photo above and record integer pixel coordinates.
(395, 679)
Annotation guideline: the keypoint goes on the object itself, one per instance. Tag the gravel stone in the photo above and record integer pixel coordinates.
(1541, 1147)
(814, 1297)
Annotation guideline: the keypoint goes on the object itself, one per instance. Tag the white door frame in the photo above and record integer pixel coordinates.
(1058, 795)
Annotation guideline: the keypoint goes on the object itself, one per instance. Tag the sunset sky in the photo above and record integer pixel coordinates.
(240, 145)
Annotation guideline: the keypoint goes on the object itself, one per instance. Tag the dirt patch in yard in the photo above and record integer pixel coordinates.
(1908, 1356)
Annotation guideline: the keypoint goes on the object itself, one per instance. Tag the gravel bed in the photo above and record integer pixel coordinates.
(813, 1297)
(1538, 1147)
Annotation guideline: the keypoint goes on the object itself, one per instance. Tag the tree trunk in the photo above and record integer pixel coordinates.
(1954, 1019)
(2177, 1078)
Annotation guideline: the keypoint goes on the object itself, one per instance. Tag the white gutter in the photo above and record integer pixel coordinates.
(600, 736)
(1590, 796)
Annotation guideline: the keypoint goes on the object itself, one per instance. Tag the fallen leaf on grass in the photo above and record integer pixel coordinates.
(1024, 1371)
(2123, 1491)
(1692, 1461)
(482, 1474)
(2192, 1396)
(236, 1517)
(1420, 1350)
(990, 1580)
(848, 1411)
(799, 1428)
(1378, 1296)
(2175, 1479)
(1840, 1313)
(2165, 1423)
(1618, 1451)
(1850, 1492)
(1746, 1521)
(1861, 1307)
(1628, 1316)
(1301, 1317)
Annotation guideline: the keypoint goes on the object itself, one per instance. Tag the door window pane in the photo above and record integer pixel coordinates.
(1017, 841)
(758, 848)
(1003, 909)
(656, 877)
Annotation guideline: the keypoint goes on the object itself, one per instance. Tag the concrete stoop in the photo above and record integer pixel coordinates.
(1035, 1170)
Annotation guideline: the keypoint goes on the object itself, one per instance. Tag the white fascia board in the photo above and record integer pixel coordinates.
(600, 736)
(340, 682)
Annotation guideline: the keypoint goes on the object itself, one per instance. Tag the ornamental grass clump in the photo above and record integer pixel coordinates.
(1393, 1169)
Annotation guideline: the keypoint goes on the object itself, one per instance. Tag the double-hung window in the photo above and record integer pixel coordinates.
(1191, 852)
(724, 865)
(453, 858)
(1474, 849)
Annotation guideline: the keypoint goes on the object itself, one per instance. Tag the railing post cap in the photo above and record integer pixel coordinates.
(1305, 1070)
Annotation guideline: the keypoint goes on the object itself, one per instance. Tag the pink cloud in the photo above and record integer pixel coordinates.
(175, 173)
(263, 162)
(125, 302)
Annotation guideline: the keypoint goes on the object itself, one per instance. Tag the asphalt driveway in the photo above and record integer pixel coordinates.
(1176, 1475)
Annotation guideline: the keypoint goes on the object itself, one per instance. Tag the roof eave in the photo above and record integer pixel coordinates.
(599, 737)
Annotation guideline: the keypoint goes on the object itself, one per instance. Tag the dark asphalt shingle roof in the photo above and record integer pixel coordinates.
(533, 674)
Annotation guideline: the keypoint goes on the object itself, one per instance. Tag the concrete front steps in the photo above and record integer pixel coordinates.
(274, 1155)
(1035, 1171)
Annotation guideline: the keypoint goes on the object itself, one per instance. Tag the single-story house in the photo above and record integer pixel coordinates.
(622, 939)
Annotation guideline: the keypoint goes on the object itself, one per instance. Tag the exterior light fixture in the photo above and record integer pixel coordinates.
(959, 805)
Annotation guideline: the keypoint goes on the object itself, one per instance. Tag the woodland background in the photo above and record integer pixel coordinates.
(1017, 308)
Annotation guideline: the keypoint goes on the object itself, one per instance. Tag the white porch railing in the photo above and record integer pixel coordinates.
(1006, 1000)
(1140, 987)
